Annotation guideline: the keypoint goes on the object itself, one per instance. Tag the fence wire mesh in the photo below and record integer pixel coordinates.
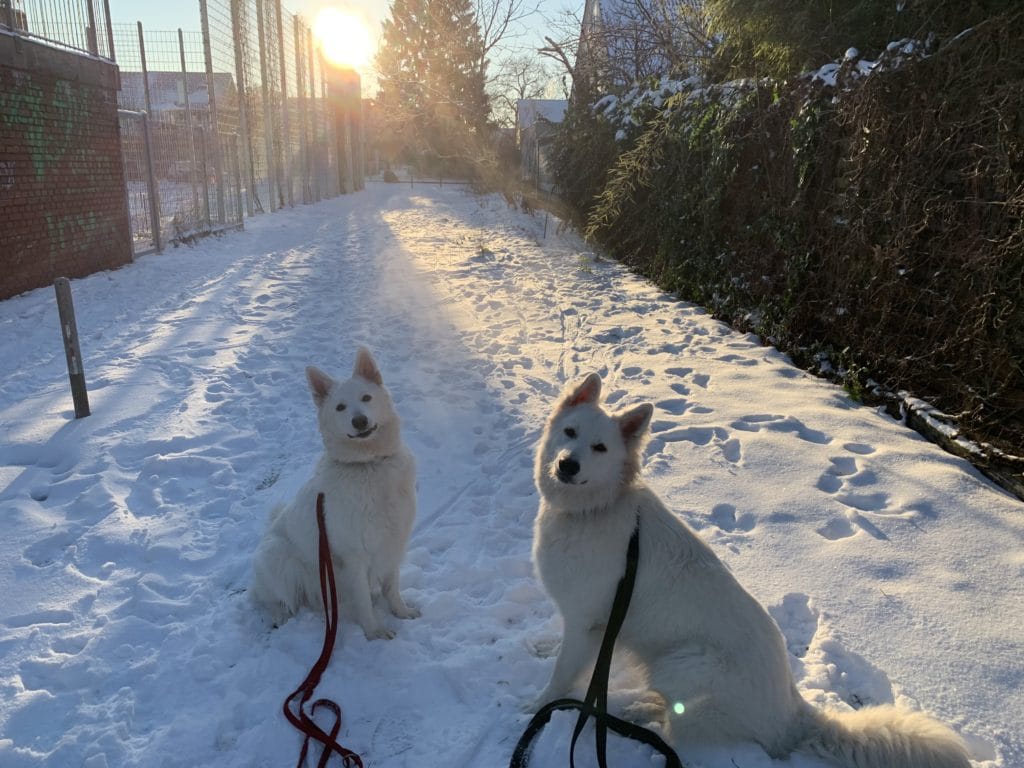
(238, 118)
(163, 74)
(81, 25)
(133, 153)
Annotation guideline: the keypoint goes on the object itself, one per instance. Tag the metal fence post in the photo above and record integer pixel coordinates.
(123, 113)
(69, 330)
(268, 138)
(154, 198)
(331, 181)
(145, 69)
(243, 104)
(315, 164)
(205, 167)
(238, 178)
(110, 30)
(301, 92)
(357, 143)
(286, 122)
(188, 122)
(218, 167)
(8, 8)
(90, 31)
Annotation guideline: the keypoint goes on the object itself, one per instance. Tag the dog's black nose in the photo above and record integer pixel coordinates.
(359, 422)
(568, 467)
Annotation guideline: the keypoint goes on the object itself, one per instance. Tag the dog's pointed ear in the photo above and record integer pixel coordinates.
(366, 367)
(319, 384)
(634, 422)
(587, 391)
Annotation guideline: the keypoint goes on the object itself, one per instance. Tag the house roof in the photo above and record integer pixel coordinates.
(165, 89)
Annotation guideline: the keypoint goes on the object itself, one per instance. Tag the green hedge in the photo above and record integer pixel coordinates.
(876, 225)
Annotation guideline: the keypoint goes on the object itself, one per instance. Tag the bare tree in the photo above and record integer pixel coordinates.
(518, 77)
(563, 43)
(501, 23)
(618, 42)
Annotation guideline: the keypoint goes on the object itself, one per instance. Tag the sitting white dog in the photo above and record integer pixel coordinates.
(368, 479)
(710, 651)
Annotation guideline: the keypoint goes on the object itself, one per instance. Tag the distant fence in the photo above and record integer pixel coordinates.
(214, 125)
(80, 25)
(180, 166)
(236, 118)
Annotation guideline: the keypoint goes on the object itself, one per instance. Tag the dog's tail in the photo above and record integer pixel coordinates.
(884, 737)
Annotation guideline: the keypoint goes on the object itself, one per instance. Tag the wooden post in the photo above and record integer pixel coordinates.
(69, 330)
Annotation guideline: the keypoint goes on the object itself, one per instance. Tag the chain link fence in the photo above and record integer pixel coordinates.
(227, 122)
(80, 25)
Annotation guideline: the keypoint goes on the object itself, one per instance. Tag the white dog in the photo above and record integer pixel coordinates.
(368, 478)
(710, 651)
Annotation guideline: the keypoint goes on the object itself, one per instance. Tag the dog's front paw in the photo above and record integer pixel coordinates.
(649, 708)
(379, 633)
(406, 611)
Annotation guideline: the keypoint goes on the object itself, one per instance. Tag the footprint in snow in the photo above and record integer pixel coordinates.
(852, 485)
(777, 423)
(821, 663)
(728, 446)
(738, 359)
(798, 622)
(724, 517)
(675, 406)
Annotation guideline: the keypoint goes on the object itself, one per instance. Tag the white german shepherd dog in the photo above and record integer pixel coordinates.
(710, 651)
(368, 479)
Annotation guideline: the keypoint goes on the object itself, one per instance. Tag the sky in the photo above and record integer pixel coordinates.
(171, 16)
(186, 14)
(895, 571)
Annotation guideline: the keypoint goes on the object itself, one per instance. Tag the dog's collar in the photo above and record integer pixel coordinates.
(371, 460)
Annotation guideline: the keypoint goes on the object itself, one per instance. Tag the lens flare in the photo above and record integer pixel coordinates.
(678, 708)
(344, 37)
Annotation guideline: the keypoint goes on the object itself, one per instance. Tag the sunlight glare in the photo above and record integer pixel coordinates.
(344, 38)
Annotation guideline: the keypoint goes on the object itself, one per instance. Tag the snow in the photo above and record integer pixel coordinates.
(126, 636)
(635, 107)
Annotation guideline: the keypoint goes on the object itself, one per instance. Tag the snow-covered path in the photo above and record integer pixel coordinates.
(126, 637)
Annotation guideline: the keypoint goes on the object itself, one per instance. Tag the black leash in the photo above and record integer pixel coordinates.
(595, 703)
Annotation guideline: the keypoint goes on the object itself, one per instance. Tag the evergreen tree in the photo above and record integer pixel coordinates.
(432, 84)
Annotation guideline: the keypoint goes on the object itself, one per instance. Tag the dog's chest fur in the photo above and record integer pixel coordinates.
(369, 506)
(580, 557)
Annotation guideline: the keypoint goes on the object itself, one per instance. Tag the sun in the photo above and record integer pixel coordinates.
(344, 38)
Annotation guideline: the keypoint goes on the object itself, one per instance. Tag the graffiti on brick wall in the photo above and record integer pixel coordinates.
(51, 119)
(71, 231)
(61, 179)
(6, 175)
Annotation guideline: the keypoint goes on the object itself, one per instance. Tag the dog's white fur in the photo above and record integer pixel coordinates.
(704, 642)
(368, 478)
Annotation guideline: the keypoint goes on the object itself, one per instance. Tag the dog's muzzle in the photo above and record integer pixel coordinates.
(566, 471)
(361, 425)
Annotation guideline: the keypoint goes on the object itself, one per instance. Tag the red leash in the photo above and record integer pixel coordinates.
(304, 692)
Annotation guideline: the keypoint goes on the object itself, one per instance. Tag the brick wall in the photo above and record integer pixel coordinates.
(62, 192)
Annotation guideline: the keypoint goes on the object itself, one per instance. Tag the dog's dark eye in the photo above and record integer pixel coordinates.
(367, 398)
(599, 447)
(339, 407)
(570, 432)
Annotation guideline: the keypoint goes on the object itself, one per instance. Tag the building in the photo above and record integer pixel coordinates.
(167, 92)
(535, 123)
(628, 41)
